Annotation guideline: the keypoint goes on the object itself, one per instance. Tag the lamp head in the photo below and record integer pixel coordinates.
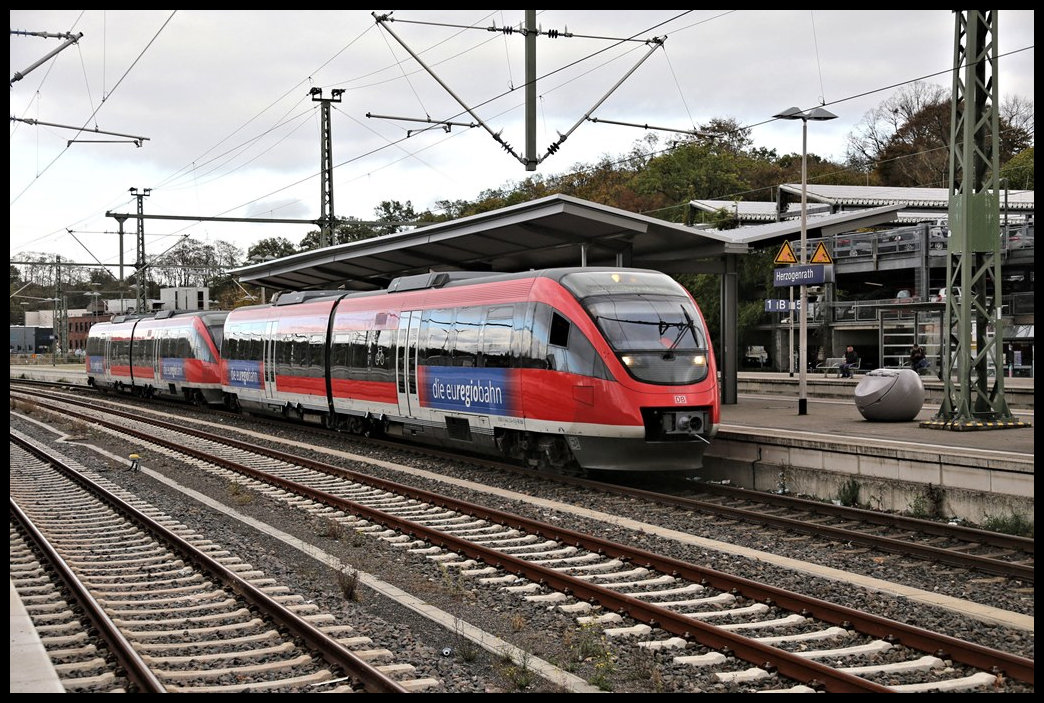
(818, 114)
(791, 113)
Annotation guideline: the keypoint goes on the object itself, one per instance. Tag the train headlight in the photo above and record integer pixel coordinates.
(699, 360)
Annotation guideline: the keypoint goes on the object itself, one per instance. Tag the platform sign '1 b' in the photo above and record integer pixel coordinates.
(781, 305)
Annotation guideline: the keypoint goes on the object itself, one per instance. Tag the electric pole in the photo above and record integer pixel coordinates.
(140, 264)
(326, 201)
(60, 319)
(971, 399)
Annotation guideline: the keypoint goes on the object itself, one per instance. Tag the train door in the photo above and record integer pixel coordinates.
(108, 349)
(268, 359)
(406, 362)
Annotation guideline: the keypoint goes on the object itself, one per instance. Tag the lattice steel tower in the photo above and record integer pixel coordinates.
(327, 219)
(973, 331)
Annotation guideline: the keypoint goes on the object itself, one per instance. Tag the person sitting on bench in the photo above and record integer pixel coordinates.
(851, 359)
(918, 360)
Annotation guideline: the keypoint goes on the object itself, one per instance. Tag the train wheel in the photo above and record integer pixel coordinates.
(555, 456)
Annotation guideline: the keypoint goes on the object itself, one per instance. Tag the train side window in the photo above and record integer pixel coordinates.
(381, 359)
(497, 336)
(316, 356)
(256, 346)
(559, 335)
(299, 352)
(339, 355)
(533, 336)
(557, 340)
(217, 332)
(572, 352)
(584, 359)
(357, 350)
(183, 346)
(434, 344)
(466, 338)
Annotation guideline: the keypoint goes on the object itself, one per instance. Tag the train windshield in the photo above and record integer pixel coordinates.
(641, 323)
(651, 324)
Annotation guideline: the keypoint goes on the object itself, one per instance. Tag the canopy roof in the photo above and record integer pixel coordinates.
(558, 230)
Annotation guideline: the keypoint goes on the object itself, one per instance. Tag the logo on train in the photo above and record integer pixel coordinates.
(244, 374)
(172, 369)
(474, 390)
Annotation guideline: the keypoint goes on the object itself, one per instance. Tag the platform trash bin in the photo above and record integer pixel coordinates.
(890, 395)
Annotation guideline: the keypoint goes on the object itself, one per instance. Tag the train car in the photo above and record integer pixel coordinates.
(167, 354)
(570, 369)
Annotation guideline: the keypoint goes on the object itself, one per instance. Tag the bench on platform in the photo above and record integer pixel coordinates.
(833, 365)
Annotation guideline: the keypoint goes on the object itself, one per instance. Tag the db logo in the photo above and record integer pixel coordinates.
(679, 400)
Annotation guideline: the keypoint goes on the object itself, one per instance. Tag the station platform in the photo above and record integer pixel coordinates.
(915, 467)
(31, 667)
(770, 400)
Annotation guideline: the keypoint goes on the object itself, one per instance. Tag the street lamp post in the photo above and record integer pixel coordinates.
(817, 114)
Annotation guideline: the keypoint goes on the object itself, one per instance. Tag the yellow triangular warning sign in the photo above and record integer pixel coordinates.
(820, 255)
(785, 255)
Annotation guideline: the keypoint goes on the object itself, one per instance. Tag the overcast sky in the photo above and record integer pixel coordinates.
(219, 103)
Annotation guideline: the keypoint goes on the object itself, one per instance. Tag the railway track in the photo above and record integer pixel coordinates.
(663, 603)
(176, 612)
(978, 551)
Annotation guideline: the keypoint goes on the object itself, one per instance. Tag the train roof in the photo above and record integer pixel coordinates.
(435, 279)
(166, 314)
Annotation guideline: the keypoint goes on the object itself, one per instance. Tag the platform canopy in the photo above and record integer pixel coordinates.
(558, 230)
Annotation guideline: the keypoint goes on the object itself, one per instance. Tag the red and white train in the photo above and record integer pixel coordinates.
(569, 369)
(171, 354)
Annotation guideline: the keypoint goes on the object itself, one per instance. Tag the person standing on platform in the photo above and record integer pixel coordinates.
(851, 360)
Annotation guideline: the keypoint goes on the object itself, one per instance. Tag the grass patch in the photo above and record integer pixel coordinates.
(848, 493)
(1013, 524)
(519, 676)
(928, 504)
(240, 495)
(330, 528)
(348, 583)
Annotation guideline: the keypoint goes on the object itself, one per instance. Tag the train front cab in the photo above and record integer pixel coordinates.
(643, 380)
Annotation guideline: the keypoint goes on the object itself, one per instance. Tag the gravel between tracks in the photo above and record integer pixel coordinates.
(548, 633)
